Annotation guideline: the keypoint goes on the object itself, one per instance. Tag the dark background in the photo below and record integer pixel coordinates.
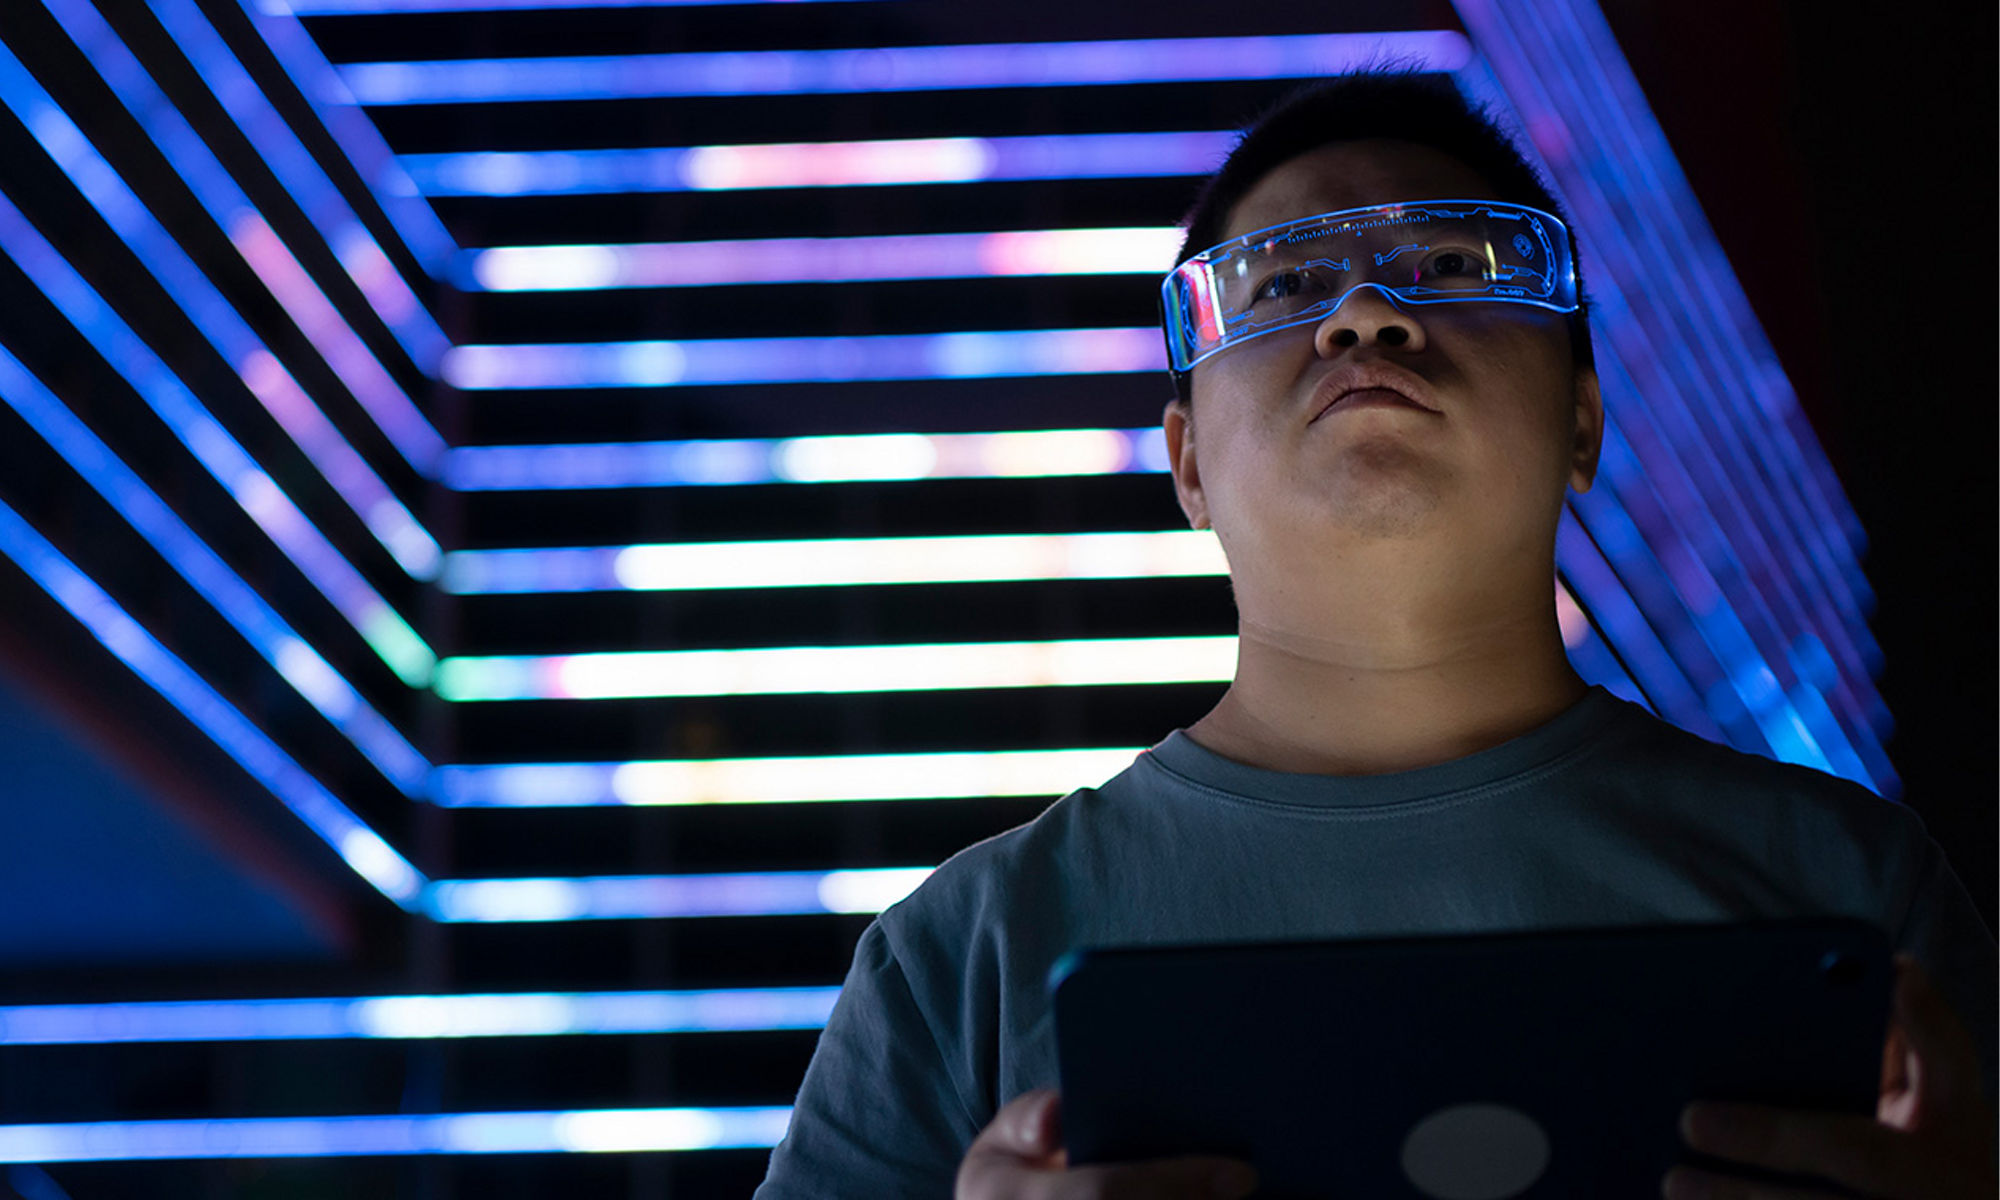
(1846, 160)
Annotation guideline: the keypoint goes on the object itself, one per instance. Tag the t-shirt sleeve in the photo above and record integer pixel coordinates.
(877, 1115)
(1943, 929)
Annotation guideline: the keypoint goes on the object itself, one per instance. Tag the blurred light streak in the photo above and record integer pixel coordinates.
(723, 361)
(817, 164)
(810, 779)
(268, 258)
(363, 259)
(835, 562)
(217, 320)
(1016, 454)
(583, 1131)
(415, 221)
(1136, 251)
(259, 496)
(510, 1014)
(361, 847)
(240, 604)
(787, 670)
(894, 68)
(659, 897)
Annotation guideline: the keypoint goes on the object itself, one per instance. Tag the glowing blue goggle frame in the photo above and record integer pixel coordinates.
(1418, 252)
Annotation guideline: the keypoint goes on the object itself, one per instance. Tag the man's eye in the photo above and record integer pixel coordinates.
(1457, 264)
(1285, 284)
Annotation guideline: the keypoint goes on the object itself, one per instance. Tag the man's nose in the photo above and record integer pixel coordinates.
(1367, 316)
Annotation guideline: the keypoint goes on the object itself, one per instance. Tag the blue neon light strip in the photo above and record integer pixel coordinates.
(1776, 502)
(293, 657)
(252, 237)
(358, 845)
(892, 68)
(265, 377)
(615, 1130)
(658, 897)
(1030, 453)
(356, 249)
(721, 361)
(817, 164)
(253, 489)
(415, 221)
(510, 1014)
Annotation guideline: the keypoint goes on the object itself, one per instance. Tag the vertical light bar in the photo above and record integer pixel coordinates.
(359, 846)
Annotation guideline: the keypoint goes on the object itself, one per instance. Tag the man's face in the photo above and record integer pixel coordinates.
(1513, 422)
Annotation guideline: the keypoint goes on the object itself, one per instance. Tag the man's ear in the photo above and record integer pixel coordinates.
(1178, 421)
(1589, 441)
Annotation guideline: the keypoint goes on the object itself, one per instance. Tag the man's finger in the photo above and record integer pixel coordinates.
(1854, 1151)
(1027, 1127)
(1948, 1061)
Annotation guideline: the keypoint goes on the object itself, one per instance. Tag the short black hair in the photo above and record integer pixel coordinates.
(1381, 101)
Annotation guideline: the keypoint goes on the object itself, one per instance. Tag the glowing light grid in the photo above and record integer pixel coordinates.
(1136, 251)
(724, 361)
(1018, 454)
(622, 1130)
(892, 68)
(817, 164)
(840, 669)
(811, 779)
(836, 562)
(511, 1014)
(654, 897)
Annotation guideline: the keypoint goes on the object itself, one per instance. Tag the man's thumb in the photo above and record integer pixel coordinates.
(1038, 1126)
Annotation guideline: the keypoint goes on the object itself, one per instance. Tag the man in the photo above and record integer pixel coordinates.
(1404, 748)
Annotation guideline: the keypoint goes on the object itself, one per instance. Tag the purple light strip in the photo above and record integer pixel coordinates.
(893, 68)
(807, 360)
(817, 164)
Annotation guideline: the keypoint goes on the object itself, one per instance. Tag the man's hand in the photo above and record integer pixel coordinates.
(1932, 1137)
(1020, 1155)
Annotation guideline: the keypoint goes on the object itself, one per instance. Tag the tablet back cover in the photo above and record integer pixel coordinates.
(1464, 1067)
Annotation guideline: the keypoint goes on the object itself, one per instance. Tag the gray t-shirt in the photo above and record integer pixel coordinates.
(1605, 816)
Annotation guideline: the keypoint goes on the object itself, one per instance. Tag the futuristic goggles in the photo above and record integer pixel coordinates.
(1427, 252)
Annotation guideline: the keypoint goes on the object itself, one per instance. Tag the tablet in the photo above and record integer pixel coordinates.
(1482, 1067)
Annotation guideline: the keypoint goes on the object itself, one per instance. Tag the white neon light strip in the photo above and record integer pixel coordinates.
(361, 847)
(509, 1014)
(836, 562)
(817, 164)
(620, 1130)
(726, 361)
(1019, 454)
(840, 669)
(814, 779)
(1120, 251)
(892, 68)
(662, 897)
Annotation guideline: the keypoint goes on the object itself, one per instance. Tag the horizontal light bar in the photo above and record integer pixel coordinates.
(1131, 251)
(325, 688)
(361, 847)
(811, 779)
(649, 897)
(346, 8)
(836, 562)
(817, 164)
(1021, 454)
(512, 1014)
(893, 68)
(618, 1130)
(726, 361)
(840, 669)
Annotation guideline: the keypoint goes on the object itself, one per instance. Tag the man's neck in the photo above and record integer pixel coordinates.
(1309, 708)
